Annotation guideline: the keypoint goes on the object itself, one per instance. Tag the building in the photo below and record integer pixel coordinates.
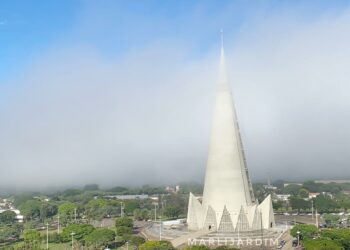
(292, 183)
(332, 181)
(282, 197)
(228, 203)
(127, 197)
(175, 189)
(270, 187)
(313, 195)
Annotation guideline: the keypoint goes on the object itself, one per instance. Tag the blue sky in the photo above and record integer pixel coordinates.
(30, 28)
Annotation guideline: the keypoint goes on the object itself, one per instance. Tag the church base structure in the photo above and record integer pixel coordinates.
(223, 220)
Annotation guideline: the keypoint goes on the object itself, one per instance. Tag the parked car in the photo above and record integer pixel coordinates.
(281, 244)
(295, 243)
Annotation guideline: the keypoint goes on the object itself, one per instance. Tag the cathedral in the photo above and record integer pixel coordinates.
(228, 203)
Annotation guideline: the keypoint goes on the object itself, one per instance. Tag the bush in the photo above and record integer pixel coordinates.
(321, 244)
(7, 217)
(122, 231)
(79, 230)
(100, 237)
(55, 238)
(134, 240)
(156, 245)
(32, 239)
(172, 212)
(341, 236)
(306, 231)
(124, 222)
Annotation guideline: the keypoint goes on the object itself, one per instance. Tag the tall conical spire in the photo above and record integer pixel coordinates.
(227, 187)
(223, 78)
(226, 182)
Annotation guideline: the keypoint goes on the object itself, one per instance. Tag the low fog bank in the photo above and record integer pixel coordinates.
(74, 117)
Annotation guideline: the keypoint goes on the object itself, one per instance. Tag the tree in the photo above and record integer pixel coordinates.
(130, 206)
(299, 203)
(7, 217)
(66, 211)
(331, 219)
(312, 186)
(95, 208)
(303, 193)
(30, 209)
(124, 221)
(156, 245)
(292, 189)
(306, 231)
(277, 204)
(141, 214)
(67, 208)
(134, 240)
(10, 232)
(177, 200)
(124, 226)
(32, 239)
(324, 203)
(79, 230)
(123, 231)
(48, 210)
(340, 236)
(322, 244)
(172, 211)
(55, 238)
(100, 237)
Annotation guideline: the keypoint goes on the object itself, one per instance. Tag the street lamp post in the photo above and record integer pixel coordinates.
(160, 229)
(47, 235)
(298, 238)
(121, 209)
(115, 239)
(155, 212)
(58, 224)
(72, 234)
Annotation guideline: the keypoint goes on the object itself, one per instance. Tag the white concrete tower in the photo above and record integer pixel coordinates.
(228, 202)
(226, 171)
